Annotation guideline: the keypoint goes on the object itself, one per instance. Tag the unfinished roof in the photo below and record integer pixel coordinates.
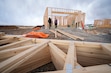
(25, 54)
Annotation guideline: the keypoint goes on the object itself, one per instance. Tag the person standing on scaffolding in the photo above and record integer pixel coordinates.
(50, 22)
(55, 23)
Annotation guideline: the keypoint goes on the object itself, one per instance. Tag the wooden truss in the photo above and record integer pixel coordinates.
(26, 54)
(65, 17)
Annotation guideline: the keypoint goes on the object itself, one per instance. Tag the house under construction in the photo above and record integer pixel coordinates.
(65, 17)
(106, 23)
(20, 54)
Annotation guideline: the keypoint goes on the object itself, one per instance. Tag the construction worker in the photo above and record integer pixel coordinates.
(50, 22)
(55, 23)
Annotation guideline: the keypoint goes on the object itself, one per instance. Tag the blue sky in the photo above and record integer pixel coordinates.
(30, 12)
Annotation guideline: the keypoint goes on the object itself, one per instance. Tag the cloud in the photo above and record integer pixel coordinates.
(30, 12)
(99, 9)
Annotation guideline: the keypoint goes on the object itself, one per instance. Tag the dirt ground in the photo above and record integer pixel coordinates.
(103, 37)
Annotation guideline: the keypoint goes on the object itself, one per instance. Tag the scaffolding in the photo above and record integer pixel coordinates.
(65, 17)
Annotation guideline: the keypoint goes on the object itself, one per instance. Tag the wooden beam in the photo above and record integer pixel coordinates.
(60, 42)
(13, 62)
(71, 58)
(91, 50)
(2, 34)
(57, 56)
(70, 35)
(88, 44)
(106, 48)
(9, 40)
(93, 55)
(14, 51)
(64, 48)
(57, 12)
(40, 58)
(64, 71)
(89, 61)
(92, 69)
(77, 43)
(56, 33)
(16, 44)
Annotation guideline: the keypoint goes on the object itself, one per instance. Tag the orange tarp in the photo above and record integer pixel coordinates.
(34, 34)
(36, 28)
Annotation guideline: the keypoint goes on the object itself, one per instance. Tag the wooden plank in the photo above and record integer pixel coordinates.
(70, 35)
(60, 42)
(64, 48)
(14, 51)
(94, 55)
(99, 69)
(64, 71)
(71, 58)
(88, 44)
(56, 33)
(77, 43)
(40, 58)
(91, 50)
(58, 12)
(92, 69)
(33, 65)
(106, 48)
(84, 61)
(57, 56)
(9, 40)
(13, 62)
(16, 44)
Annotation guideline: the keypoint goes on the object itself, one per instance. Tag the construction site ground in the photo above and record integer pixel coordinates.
(99, 35)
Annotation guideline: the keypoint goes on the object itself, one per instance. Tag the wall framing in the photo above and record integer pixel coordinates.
(106, 23)
(65, 17)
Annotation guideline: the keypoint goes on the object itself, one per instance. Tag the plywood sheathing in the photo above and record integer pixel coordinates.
(65, 17)
(61, 52)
